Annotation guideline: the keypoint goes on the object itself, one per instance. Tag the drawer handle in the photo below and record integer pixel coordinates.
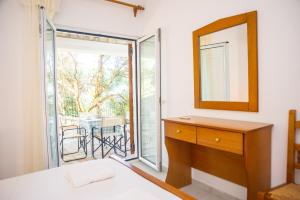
(178, 131)
(217, 139)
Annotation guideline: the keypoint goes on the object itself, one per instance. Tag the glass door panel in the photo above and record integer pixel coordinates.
(48, 40)
(149, 101)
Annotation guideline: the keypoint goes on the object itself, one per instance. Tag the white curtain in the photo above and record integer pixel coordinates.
(33, 112)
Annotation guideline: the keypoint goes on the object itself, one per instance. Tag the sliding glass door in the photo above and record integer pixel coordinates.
(149, 100)
(49, 89)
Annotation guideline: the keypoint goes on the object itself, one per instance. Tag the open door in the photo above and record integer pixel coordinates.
(47, 31)
(149, 109)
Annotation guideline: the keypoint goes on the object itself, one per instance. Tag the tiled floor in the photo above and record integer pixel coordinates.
(205, 192)
(161, 175)
(196, 189)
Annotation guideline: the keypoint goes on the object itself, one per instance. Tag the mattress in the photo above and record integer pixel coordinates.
(52, 185)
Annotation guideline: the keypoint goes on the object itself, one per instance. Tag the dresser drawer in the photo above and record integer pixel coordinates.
(222, 140)
(182, 132)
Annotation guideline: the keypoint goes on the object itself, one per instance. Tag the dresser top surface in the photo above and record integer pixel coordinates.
(217, 123)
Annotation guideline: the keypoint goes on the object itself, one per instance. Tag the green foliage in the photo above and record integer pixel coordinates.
(119, 106)
(69, 107)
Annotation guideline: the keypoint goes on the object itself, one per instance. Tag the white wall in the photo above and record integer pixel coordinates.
(11, 122)
(279, 65)
(100, 16)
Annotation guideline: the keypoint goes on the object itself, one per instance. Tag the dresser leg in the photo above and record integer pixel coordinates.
(258, 161)
(179, 170)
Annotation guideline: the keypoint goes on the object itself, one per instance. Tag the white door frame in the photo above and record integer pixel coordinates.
(157, 35)
(47, 146)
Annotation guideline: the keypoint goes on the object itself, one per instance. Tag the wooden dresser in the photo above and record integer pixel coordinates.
(238, 151)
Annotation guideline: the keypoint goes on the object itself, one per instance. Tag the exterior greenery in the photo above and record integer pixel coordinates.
(99, 87)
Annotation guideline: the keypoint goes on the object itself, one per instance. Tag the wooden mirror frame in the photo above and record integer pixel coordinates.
(250, 19)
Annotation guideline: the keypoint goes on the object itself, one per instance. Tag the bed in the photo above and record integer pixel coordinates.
(129, 182)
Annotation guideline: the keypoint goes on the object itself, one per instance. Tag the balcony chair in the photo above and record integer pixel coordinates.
(121, 141)
(72, 132)
(111, 135)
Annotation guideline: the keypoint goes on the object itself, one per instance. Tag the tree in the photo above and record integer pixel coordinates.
(78, 85)
(105, 79)
(105, 85)
(70, 83)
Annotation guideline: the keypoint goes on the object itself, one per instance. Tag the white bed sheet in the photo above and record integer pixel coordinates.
(52, 185)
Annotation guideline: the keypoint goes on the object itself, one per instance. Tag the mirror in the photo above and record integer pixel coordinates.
(225, 64)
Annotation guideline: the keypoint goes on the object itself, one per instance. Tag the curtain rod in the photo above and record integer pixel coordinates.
(134, 7)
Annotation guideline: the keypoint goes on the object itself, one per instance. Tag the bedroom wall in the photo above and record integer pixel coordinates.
(11, 122)
(100, 16)
(279, 65)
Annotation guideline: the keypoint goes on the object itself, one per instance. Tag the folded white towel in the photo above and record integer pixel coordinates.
(134, 194)
(88, 172)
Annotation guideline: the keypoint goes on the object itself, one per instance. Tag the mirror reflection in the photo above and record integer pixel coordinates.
(224, 65)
